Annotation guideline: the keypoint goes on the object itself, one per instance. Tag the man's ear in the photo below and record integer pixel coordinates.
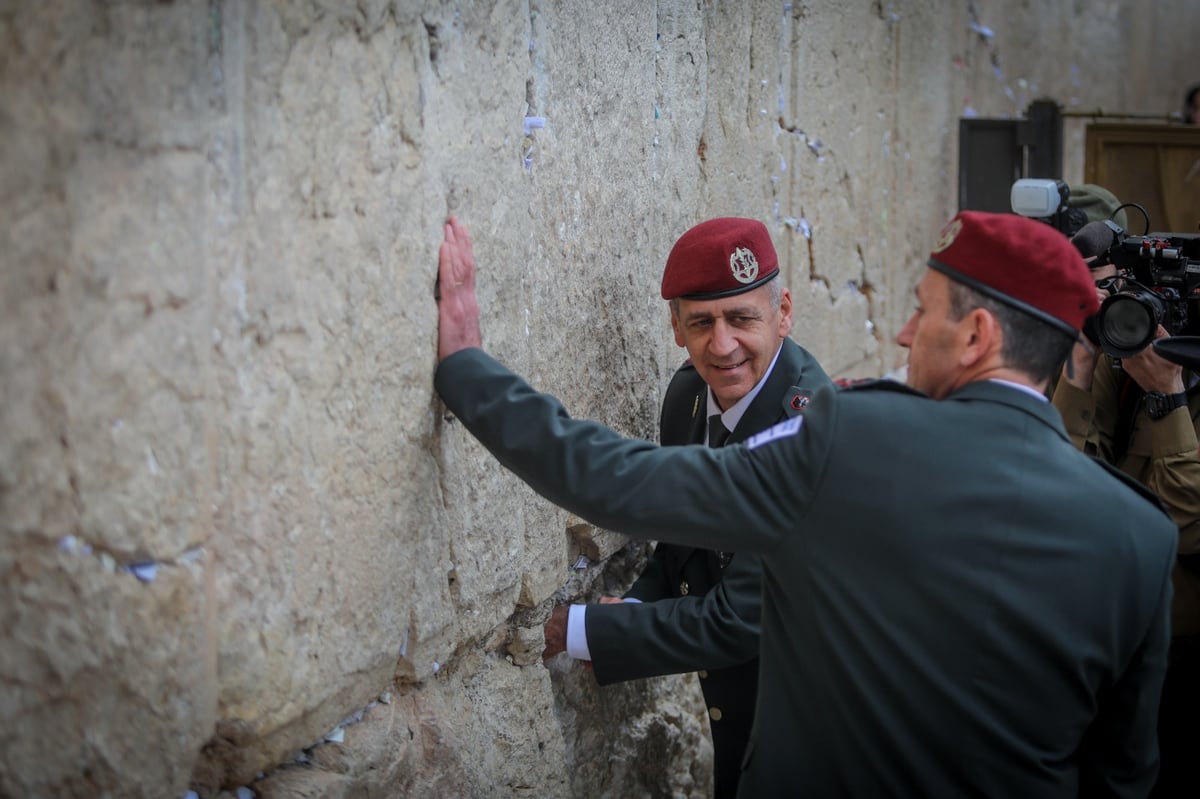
(980, 337)
(785, 313)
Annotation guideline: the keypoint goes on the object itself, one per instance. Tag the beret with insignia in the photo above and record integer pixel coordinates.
(1021, 262)
(720, 258)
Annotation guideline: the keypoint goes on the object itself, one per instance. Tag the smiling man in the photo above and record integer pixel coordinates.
(732, 313)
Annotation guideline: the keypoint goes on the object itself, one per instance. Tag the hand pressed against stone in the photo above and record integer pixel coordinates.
(458, 306)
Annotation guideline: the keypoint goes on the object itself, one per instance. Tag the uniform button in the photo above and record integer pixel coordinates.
(702, 674)
(683, 588)
(714, 713)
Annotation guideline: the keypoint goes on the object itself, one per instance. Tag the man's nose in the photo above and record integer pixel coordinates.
(723, 341)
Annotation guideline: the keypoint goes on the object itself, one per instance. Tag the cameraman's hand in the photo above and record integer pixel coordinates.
(1079, 367)
(1153, 372)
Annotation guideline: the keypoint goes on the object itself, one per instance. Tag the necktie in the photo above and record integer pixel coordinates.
(717, 434)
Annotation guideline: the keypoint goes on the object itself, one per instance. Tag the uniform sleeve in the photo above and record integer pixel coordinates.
(1090, 416)
(654, 582)
(674, 636)
(1119, 755)
(1169, 446)
(730, 498)
(1174, 470)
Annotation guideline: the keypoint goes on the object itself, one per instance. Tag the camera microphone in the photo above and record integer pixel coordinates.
(1096, 239)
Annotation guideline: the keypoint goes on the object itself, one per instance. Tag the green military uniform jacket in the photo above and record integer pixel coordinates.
(957, 601)
(1160, 453)
(693, 627)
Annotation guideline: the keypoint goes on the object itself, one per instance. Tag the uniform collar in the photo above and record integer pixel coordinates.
(1030, 390)
(1005, 393)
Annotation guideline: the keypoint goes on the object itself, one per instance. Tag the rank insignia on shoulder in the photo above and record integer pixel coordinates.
(784, 429)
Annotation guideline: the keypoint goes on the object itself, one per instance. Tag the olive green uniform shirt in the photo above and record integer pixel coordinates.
(1161, 453)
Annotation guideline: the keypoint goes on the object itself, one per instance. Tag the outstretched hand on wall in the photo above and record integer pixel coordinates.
(458, 307)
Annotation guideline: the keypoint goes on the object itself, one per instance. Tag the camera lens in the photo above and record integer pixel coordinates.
(1128, 322)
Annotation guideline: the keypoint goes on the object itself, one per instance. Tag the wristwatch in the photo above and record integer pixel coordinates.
(1159, 404)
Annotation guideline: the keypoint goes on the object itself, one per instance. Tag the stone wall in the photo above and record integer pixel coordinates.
(244, 547)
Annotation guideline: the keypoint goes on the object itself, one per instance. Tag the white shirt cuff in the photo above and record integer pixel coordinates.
(577, 644)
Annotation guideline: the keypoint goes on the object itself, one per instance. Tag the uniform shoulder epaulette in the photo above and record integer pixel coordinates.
(1141, 490)
(687, 365)
(876, 384)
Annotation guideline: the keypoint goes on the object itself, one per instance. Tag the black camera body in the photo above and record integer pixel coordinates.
(1158, 275)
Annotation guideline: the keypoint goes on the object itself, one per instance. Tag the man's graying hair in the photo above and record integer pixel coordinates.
(774, 294)
(1030, 345)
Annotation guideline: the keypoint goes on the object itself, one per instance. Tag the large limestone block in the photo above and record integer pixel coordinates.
(106, 687)
(107, 673)
(338, 568)
(481, 728)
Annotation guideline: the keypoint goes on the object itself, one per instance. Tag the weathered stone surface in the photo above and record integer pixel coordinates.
(487, 730)
(592, 542)
(108, 681)
(218, 226)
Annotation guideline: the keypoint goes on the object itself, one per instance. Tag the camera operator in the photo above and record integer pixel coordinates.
(1142, 414)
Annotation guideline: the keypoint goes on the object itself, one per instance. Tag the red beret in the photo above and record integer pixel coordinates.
(720, 258)
(1019, 261)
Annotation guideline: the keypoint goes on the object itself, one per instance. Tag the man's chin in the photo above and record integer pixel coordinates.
(728, 392)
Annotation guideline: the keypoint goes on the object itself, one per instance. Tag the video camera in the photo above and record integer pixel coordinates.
(1158, 274)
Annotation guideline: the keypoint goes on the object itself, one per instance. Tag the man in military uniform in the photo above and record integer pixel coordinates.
(731, 312)
(957, 602)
